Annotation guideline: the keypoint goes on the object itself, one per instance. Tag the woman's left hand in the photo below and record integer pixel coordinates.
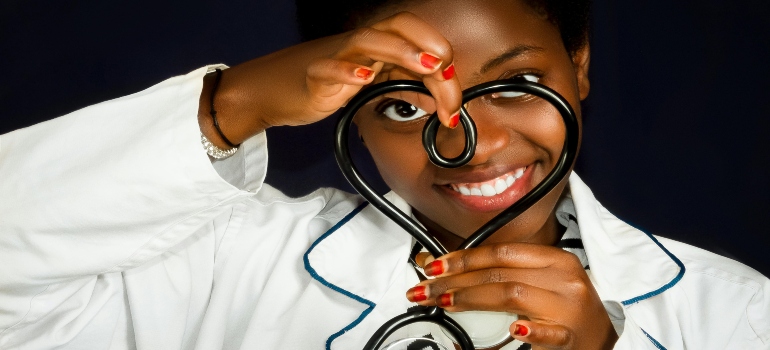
(546, 285)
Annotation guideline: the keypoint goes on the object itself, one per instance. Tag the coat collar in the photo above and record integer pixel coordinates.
(360, 253)
(364, 254)
(627, 265)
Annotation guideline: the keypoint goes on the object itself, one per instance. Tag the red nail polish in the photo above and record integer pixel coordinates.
(435, 268)
(417, 293)
(521, 331)
(454, 120)
(364, 73)
(429, 61)
(445, 300)
(449, 72)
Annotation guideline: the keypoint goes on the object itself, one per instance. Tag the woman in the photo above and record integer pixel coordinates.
(181, 254)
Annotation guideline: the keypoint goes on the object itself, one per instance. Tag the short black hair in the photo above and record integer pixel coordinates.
(318, 19)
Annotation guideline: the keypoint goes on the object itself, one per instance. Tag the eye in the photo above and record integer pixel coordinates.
(400, 111)
(511, 94)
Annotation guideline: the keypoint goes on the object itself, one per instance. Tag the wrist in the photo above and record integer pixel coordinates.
(221, 116)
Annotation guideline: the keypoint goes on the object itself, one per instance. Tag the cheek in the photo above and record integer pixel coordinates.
(570, 87)
(535, 129)
(400, 160)
(545, 125)
(548, 130)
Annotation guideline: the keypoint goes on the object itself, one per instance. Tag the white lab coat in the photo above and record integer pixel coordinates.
(117, 232)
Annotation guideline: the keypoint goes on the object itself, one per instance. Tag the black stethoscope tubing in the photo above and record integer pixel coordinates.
(344, 159)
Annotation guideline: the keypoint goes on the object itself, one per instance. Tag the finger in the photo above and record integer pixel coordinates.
(368, 45)
(423, 258)
(506, 255)
(412, 28)
(448, 97)
(442, 83)
(331, 83)
(326, 71)
(434, 287)
(549, 336)
(514, 297)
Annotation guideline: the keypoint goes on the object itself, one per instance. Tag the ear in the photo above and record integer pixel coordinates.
(581, 60)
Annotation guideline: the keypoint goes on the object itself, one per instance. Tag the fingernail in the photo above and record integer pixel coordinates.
(454, 120)
(445, 300)
(416, 294)
(364, 73)
(435, 268)
(429, 61)
(449, 72)
(520, 331)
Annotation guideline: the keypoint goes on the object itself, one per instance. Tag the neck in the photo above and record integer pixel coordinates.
(549, 234)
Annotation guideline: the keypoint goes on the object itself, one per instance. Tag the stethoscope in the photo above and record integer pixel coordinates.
(435, 314)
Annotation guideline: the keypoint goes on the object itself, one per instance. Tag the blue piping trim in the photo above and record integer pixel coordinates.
(323, 281)
(654, 342)
(667, 285)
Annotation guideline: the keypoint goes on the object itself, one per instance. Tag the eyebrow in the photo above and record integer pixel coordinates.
(516, 51)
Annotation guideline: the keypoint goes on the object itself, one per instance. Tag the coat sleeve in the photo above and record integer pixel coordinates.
(758, 315)
(108, 187)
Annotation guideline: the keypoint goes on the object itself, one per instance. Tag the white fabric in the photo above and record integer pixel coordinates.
(117, 232)
(566, 216)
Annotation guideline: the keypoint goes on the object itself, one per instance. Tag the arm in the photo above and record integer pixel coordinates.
(104, 189)
(108, 187)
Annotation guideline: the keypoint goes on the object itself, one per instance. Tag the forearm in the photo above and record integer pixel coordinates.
(235, 110)
(255, 95)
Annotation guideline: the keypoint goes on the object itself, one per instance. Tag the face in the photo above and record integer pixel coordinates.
(492, 40)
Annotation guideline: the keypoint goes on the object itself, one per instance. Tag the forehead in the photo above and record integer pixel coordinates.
(479, 30)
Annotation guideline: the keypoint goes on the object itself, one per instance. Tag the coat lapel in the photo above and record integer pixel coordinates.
(628, 265)
(362, 257)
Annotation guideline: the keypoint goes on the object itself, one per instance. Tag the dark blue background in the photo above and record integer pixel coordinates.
(676, 132)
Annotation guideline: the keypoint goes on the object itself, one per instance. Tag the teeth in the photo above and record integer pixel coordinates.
(500, 186)
(490, 188)
(487, 190)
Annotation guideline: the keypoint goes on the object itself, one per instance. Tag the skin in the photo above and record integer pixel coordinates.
(517, 269)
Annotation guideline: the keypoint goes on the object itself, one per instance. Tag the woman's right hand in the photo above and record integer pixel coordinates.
(307, 82)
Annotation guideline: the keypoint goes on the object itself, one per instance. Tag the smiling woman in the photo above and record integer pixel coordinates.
(520, 43)
(108, 250)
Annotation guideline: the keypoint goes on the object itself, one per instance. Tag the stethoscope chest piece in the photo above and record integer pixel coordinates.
(485, 328)
(468, 329)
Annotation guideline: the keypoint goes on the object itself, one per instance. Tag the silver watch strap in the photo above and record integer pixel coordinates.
(214, 151)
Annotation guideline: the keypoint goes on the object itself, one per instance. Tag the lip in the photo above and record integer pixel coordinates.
(494, 203)
(479, 175)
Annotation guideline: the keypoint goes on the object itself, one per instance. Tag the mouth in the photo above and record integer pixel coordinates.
(489, 188)
(494, 194)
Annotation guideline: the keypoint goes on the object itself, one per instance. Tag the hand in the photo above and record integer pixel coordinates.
(308, 82)
(545, 285)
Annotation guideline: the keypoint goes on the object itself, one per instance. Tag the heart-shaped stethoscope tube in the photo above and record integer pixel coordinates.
(344, 159)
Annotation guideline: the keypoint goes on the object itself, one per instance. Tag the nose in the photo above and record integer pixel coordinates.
(493, 137)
